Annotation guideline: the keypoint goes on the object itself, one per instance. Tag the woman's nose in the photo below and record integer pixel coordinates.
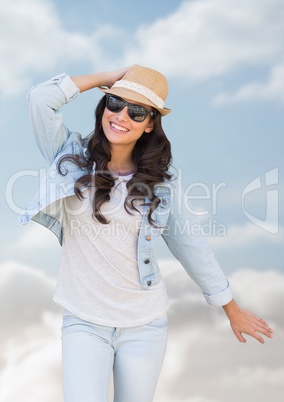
(123, 114)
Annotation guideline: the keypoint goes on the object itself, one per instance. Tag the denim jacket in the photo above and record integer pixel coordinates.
(173, 221)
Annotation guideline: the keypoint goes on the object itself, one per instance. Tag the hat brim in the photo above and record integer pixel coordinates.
(133, 96)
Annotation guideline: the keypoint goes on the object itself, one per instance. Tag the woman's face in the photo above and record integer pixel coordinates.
(120, 129)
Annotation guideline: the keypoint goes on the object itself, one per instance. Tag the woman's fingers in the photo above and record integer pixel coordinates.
(247, 323)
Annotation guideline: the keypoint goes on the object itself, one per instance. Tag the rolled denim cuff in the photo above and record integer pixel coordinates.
(220, 298)
(67, 86)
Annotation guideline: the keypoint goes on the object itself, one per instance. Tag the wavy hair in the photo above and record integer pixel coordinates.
(151, 157)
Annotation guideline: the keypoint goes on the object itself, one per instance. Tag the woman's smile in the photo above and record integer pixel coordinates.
(118, 127)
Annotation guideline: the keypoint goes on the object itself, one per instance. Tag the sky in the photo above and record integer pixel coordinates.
(225, 67)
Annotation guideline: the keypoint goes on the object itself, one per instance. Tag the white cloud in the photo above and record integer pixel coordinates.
(36, 237)
(252, 378)
(32, 368)
(204, 361)
(34, 245)
(35, 41)
(30, 336)
(273, 88)
(212, 37)
(200, 40)
(261, 292)
(24, 294)
(199, 399)
(246, 235)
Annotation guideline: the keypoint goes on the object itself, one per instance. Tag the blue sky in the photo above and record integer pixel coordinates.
(224, 62)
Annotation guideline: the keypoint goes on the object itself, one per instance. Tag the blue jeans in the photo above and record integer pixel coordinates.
(91, 353)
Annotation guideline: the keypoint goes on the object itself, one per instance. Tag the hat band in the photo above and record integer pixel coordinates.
(148, 93)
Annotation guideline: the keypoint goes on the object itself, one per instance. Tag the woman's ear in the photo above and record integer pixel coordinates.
(150, 127)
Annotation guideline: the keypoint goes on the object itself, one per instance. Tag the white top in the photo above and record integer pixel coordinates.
(98, 278)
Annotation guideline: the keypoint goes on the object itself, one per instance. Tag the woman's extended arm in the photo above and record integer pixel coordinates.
(183, 235)
(243, 321)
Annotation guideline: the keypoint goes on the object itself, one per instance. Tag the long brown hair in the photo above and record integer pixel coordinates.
(151, 158)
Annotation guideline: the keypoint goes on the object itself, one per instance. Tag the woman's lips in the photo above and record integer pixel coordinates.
(119, 128)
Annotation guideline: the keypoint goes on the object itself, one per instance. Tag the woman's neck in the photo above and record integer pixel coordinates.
(120, 163)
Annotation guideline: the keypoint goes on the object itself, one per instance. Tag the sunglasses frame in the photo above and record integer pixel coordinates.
(129, 105)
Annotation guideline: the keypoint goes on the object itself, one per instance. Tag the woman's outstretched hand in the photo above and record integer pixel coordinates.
(245, 322)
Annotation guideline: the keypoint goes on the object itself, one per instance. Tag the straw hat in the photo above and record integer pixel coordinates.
(144, 85)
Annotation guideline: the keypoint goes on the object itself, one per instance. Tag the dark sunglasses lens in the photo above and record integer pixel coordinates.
(115, 104)
(137, 113)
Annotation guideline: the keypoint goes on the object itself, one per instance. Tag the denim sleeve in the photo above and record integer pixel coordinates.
(44, 101)
(192, 250)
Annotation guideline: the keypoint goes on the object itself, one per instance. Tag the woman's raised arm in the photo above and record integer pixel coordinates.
(89, 81)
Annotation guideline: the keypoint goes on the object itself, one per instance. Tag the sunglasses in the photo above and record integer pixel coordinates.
(135, 112)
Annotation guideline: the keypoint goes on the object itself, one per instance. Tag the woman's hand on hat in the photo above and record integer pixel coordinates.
(115, 75)
(245, 322)
(105, 79)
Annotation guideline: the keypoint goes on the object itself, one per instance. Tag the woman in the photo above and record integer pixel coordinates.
(107, 197)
